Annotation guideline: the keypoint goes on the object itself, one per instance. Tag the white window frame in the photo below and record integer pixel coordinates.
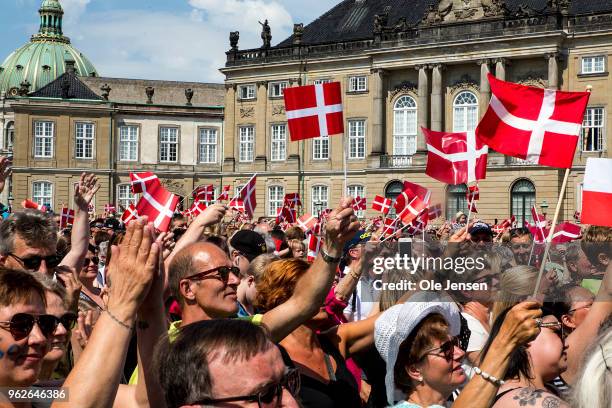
(207, 145)
(358, 83)
(128, 143)
(276, 89)
(237, 189)
(44, 142)
(85, 141)
(43, 197)
(166, 146)
(589, 64)
(246, 139)
(278, 142)
(320, 148)
(405, 125)
(247, 92)
(464, 110)
(317, 191)
(357, 190)
(322, 81)
(276, 196)
(357, 139)
(589, 124)
(124, 200)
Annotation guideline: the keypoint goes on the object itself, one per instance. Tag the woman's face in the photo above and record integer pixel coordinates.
(441, 366)
(547, 351)
(462, 219)
(90, 267)
(58, 341)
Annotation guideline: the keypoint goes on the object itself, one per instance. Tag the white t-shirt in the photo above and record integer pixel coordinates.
(478, 337)
(364, 300)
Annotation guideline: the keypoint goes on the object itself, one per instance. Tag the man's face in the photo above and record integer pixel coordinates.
(521, 248)
(481, 238)
(22, 250)
(582, 265)
(256, 374)
(21, 360)
(264, 227)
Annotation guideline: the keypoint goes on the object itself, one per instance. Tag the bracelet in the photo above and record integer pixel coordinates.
(354, 275)
(127, 326)
(328, 258)
(489, 377)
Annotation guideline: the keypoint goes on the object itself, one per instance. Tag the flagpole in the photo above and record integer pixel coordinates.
(345, 191)
(552, 231)
(238, 193)
(395, 232)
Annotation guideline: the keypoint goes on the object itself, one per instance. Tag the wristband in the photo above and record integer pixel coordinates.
(328, 258)
(489, 377)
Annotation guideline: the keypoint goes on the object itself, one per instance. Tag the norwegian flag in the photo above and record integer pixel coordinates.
(435, 211)
(314, 246)
(381, 204)
(541, 126)
(110, 209)
(292, 200)
(197, 208)
(204, 193)
(129, 214)
(359, 203)
(416, 190)
(407, 211)
(314, 110)
(307, 222)
(455, 158)
(566, 232)
(473, 193)
(27, 203)
(143, 181)
(224, 194)
(285, 214)
(237, 204)
(597, 192)
(390, 226)
(158, 204)
(247, 194)
(66, 217)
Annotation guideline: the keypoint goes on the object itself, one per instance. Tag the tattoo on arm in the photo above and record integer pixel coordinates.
(527, 397)
(553, 402)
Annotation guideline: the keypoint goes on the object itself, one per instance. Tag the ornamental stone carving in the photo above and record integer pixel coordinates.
(457, 10)
(298, 32)
(234, 37)
(266, 34)
(247, 112)
(404, 87)
(532, 79)
(380, 22)
(561, 5)
(24, 87)
(105, 91)
(278, 110)
(174, 186)
(189, 96)
(149, 91)
(465, 83)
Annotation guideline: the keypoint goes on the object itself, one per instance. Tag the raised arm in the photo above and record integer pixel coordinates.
(83, 194)
(311, 290)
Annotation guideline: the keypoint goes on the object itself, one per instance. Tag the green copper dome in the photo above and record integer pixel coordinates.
(44, 58)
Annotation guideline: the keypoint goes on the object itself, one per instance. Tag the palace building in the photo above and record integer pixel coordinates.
(403, 65)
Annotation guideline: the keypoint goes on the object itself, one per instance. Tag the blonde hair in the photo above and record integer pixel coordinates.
(594, 385)
(516, 284)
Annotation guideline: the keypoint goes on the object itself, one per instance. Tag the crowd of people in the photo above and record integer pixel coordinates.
(219, 313)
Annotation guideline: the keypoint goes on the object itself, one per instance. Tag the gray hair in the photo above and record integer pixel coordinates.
(34, 227)
(594, 386)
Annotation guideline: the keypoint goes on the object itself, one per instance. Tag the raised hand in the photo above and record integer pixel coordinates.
(520, 325)
(69, 279)
(212, 215)
(340, 228)
(5, 170)
(85, 191)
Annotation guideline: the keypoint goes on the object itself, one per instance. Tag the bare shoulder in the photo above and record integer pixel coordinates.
(531, 398)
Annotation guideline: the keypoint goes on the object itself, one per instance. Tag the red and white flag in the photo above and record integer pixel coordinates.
(237, 204)
(455, 158)
(110, 208)
(66, 217)
(314, 110)
(307, 222)
(314, 246)
(472, 206)
(381, 204)
(285, 214)
(158, 204)
(473, 193)
(359, 203)
(539, 234)
(541, 126)
(390, 226)
(411, 209)
(538, 219)
(204, 193)
(597, 192)
(435, 211)
(224, 196)
(292, 200)
(143, 181)
(247, 194)
(27, 203)
(566, 232)
(197, 208)
(416, 190)
(129, 214)
(577, 216)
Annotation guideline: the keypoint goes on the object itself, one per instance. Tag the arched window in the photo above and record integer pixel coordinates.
(523, 196)
(465, 112)
(393, 189)
(456, 201)
(404, 126)
(42, 193)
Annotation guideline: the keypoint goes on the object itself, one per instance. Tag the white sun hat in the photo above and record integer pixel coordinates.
(395, 325)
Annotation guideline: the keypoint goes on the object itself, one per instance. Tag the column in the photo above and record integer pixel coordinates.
(437, 97)
(485, 88)
(553, 70)
(378, 112)
(261, 126)
(422, 104)
(230, 137)
(500, 68)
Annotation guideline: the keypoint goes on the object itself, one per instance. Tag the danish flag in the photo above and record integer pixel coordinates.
(143, 181)
(285, 214)
(237, 204)
(307, 222)
(204, 193)
(156, 202)
(597, 192)
(314, 245)
(314, 110)
(390, 226)
(455, 158)
(110, 209)
(435, 211)
(541, 126)
(197, 208)
(473, 193)
(381, 204)
(359, 203)
(407, 211)
(247, 194)
(224, 194)
(31, 204)
(538, 219)
(292, 200)
(129, 214)
(66, 217)
(472, 206)
(566, 232)
(416, 190)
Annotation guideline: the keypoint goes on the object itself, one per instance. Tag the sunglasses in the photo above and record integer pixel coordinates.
(519, 246)
(68, 320)
(94, 260)
(33, 262)
(22, 324)
(223, 275)
(447, 349)
(273, 392)
(557, 327)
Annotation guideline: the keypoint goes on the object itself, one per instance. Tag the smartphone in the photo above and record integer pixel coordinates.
(405, 247)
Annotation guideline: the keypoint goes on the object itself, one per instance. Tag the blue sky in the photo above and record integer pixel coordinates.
(183, 40)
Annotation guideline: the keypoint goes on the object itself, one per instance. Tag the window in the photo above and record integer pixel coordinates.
(246, 92)
(128, 143)
(208, 145)
(279, 142)
(168, 149)
(356, 139)
(42, 193)
(456, 201)
(322, 81)
(125, 196)
(84, 140)
(593, 65)
(276, 196)
(10, 136)
(276, 88)
(357, 191)
(43, 139)
(593, 130)
(319, 199)
(358, 84)
(523, 196)
(247, 140)
(392, 190)
(238, 189)
(404, 126)
(320, 148)
(465, 112)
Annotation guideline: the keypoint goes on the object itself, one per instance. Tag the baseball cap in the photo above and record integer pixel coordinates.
(481, 227)
(249, 243)
(361, 237)
(111, 223)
